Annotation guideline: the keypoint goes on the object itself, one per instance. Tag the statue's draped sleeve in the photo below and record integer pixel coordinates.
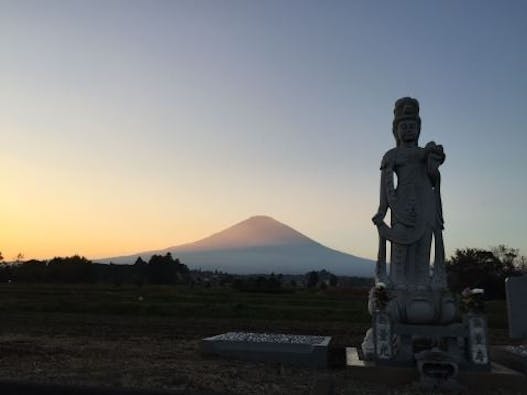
(386, 175)
(388, 196)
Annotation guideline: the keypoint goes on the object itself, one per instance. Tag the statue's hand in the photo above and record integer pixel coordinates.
(435, 151)
(378, 218)
(432, 145)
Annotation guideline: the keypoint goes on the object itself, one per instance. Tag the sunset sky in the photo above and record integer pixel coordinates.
(135, 125)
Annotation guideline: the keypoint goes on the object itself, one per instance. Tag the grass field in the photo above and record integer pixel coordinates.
(149, 337)
(182, 301)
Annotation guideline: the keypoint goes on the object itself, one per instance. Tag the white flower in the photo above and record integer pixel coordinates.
(381, 285)
(478, 291)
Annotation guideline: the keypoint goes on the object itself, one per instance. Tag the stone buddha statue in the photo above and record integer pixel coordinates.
(415, 319)
(410, 188)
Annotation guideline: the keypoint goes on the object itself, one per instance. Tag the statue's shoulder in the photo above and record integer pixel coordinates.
(388, 160)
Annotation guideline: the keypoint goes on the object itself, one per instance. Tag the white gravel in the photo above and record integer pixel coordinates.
(519, 350)
(269, 338)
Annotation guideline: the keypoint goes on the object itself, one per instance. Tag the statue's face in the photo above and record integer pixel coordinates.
(408, 131)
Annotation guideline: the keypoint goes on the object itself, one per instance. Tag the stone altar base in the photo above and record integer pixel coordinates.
(295, 350)
(499, 377)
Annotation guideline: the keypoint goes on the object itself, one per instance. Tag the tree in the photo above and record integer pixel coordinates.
(333, 280)
(163, 269)
(140, 261)
(477, 268)
(522, 264)
(74, 269)
(5, 270)
(312, 279)
(510, 258)
(140, 272)
(506, 255)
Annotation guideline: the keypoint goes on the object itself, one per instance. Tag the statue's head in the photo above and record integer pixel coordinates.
(406, 121)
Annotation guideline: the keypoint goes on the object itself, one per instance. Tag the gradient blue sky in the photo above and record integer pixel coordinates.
(135, 125)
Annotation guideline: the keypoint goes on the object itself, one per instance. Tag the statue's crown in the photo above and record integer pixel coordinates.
(406, 108)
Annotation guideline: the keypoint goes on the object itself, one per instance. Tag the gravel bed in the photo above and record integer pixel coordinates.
(519, 350)
(251, 337)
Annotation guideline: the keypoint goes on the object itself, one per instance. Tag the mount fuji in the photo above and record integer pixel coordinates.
(260, 245)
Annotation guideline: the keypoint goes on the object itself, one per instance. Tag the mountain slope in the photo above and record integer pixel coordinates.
(257, 231)
(261, 244)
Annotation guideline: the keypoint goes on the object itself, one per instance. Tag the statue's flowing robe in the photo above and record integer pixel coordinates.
(416, 214)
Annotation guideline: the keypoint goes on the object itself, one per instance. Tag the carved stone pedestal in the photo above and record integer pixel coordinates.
(497, 378)
(397, 344)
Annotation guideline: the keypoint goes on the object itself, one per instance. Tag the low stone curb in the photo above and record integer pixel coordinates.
(295, 350)
(504, 356)
(499, 377)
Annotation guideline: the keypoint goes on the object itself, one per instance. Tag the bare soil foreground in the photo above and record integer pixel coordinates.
(148, 338)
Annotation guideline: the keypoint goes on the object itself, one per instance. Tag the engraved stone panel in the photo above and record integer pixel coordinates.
(383, 336)
(478, 344)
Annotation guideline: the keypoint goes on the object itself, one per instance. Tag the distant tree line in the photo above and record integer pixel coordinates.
(160, 269)
(486, 269)
(469, 267)
(322, 279)
(267, 284)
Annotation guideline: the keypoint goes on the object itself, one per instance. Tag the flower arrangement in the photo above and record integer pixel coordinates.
(472, 300)
(381, 296)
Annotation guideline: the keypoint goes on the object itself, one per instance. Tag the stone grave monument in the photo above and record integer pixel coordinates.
(515, 356)
(516, 289)
(415, 319)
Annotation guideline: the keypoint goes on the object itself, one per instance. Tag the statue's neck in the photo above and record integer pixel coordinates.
(408, 144)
